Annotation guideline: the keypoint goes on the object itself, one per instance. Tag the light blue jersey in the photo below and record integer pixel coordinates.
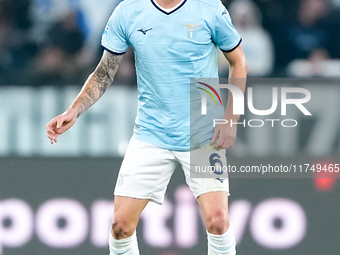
(170, 48)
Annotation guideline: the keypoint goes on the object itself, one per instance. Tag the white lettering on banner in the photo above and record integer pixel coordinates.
(73, 217)
(291, 223)
(16, 223)
(239, 212)
(102, 212)
(63, 223)
(155, 231)
(185, 218)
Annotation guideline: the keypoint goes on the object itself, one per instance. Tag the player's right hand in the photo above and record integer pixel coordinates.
(60, 124)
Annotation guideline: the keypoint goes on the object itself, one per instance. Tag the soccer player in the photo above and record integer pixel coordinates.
(173, 41)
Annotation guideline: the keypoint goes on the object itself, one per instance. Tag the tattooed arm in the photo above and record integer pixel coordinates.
(98, 81)
(93, 89)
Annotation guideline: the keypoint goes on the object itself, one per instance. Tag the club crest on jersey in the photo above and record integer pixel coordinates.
(191, 32)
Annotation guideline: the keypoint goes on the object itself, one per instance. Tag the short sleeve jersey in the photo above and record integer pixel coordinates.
(170, 48)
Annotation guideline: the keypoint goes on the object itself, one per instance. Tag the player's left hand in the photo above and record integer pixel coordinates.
(61, 124)
(224, 136)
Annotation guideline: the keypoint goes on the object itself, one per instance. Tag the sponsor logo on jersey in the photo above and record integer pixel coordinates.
(144, 31)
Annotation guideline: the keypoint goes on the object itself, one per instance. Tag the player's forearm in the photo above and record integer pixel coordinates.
(237, 77)
(97, 83)
(89, 95)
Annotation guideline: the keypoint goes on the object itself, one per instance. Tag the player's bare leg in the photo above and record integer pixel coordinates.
(214, 206)
(123, 240)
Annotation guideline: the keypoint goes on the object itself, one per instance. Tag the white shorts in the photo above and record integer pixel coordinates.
(146, 171)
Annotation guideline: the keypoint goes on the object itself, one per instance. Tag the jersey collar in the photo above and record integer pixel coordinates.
(164, 11)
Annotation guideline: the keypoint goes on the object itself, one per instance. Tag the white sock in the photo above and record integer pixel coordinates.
(127, 246)
(222, 244)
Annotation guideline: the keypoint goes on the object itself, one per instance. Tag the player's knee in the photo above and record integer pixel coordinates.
(218, 222)
(121, 229)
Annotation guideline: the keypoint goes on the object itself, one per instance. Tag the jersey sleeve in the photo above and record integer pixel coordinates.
(224, 33)
(114, 38)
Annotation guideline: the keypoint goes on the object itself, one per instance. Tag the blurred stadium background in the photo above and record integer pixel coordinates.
(58, 199)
